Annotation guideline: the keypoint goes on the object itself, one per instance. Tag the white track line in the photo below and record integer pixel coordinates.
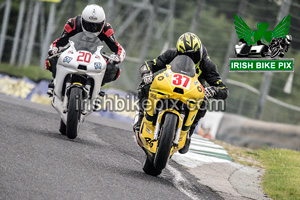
(178, 180)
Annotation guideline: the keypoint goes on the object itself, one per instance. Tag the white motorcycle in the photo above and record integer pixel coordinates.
(79, 75)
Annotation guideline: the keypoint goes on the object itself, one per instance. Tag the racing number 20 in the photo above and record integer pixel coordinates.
(180, 80)
(84, 57)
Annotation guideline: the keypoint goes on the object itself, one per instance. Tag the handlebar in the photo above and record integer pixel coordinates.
(110, 59)
(60, 50)
(106, 57)
(54, 55)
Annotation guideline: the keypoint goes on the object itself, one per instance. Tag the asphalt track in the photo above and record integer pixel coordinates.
(104, 162)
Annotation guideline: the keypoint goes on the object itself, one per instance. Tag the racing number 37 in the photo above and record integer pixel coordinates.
(84, 57)
(181, 80)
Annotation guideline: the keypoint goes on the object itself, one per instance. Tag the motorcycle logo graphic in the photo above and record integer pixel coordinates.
(98, 65)
(67, 59)
(269, 43)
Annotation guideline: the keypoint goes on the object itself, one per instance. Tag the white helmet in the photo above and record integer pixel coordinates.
(92, 20)
(288, 39)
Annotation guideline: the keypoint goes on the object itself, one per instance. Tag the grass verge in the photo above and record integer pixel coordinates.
(34, 73)
(282, 169)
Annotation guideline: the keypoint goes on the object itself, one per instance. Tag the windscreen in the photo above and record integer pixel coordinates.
(82, 42)
(184, 65)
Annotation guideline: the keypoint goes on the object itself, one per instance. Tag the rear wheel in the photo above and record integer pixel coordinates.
(264, 51)
(165, 141)
(74, 110)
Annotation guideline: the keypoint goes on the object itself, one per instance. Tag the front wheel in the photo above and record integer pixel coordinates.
(165, 141)
(150, 169)
(74, 108)
(275, 52)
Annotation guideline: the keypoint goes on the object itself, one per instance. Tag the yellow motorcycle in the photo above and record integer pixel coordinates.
(174, 99)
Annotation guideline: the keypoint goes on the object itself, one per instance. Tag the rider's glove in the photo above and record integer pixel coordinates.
(147, 78)
(287, 47)
(147, 75)
(114, 58)
(52, 51)
(211, 91)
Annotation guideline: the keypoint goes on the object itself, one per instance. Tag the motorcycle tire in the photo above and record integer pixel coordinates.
(275, 52)
(74, 111)
(264, 51)
(63, 127)
(150, 169)
(165, 141)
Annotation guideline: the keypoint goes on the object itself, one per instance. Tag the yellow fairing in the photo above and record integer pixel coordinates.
(147, 131)
(162, 88)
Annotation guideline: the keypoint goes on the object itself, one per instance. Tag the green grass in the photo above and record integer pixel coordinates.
(281, 179)
(34, 73)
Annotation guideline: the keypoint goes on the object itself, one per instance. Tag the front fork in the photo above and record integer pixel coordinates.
(178, 131)
(66, 97)
(69, 85)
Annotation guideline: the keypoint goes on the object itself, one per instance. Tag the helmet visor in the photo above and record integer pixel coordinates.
(195, 56)
(92, 27)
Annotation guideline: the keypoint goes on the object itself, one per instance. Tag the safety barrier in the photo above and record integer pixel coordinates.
(37, 92)
(245, 132)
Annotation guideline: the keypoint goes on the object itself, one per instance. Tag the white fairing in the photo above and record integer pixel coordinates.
(256, 49)
(70, 62)
(238, 48)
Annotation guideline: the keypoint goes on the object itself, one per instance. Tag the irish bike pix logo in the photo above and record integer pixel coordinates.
(262, 49)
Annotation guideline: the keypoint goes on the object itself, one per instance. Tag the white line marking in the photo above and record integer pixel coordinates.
(178, 179)
(179, 182)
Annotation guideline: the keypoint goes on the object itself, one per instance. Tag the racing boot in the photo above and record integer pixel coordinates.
(97, 101)
(50, 89)
(186, 147)
(143, 92)
(139, 115)
(138, 120)
(199, 115)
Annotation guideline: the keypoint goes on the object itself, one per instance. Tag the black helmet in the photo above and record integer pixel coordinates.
(189, 44)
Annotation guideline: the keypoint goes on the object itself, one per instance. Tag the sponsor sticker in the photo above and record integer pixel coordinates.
(148, 131)
(67, 59)
(160, 78)
(98, 65)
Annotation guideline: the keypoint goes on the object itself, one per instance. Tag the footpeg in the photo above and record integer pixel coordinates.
(97, 104)
(50, 89)
(50, 92)
(101, 94)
